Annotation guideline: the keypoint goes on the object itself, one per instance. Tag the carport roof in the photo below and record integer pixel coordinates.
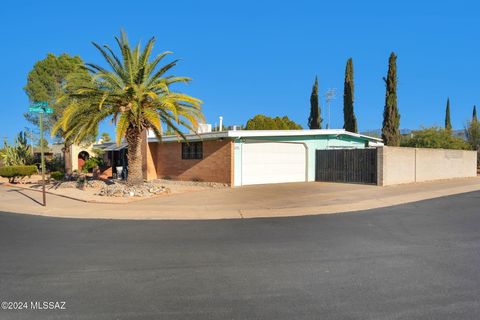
(111, 146)
(264, 133)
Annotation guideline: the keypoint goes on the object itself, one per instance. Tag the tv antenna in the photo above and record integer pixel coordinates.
(329, 96)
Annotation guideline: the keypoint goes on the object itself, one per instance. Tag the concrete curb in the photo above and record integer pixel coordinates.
(350, 201)
(8, 185)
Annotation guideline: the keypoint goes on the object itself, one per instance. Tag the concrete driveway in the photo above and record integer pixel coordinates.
(415, 261)
(273, 200)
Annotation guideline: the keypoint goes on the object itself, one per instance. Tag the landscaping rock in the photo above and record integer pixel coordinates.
(200, 184)
(115, 188)
(120, 189)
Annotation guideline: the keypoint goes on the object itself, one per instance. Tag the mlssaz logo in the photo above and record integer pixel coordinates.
(47, 305)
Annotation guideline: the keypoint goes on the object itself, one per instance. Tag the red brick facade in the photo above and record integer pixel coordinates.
(216, 165)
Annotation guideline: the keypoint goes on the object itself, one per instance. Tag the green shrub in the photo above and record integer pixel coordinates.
(82, 181)
(262, 122)
(12, 172)
(55, 164)
(434, 137)
(92, 163)
(19, 154)
(57, 175)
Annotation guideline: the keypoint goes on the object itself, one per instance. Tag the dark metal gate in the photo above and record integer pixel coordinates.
(346, 165)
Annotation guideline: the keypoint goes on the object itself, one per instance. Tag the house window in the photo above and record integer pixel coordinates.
(192, 150)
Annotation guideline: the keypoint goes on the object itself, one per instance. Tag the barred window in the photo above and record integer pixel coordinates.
(192, 150)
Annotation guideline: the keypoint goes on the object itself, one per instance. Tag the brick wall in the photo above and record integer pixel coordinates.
(216, 165)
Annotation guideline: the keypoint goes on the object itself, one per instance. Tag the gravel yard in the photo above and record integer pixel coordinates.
(116, 191)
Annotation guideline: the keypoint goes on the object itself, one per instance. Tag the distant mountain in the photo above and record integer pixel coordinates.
(459, 134)
(378, 132)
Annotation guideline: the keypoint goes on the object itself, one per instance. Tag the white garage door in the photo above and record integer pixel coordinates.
(273, 162)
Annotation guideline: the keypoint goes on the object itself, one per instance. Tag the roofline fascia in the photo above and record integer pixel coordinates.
(235, 134)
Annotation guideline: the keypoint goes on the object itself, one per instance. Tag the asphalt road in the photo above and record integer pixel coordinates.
(415, 261)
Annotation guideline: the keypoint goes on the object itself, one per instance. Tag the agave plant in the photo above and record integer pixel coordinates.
(134, 91)
(18, 154)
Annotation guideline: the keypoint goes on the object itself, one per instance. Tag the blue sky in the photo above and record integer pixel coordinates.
(250, 57)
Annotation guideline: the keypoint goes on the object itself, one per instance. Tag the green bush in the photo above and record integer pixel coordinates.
(19, 154)
(55, 164)
(434, 137)
(12, 172)
(92, 163)
(262, 122)
(57, 175)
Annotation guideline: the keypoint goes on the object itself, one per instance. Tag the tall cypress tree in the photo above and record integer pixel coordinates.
(314, 120)
(448, 122)
(349, 119)
(474, 114)
(391, 116)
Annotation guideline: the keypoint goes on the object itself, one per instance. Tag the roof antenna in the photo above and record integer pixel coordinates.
(329, 96)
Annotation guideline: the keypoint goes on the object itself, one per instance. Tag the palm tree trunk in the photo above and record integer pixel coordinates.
(134, 156)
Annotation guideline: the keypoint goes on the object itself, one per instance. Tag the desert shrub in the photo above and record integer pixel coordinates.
(12, 172)
(434, 138)
(472, 132)
(55, 164)
(81, 181)
(18, 154)
(57, 175)
(92, 163)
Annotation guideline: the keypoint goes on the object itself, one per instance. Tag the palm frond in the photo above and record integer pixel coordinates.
(111, 60)
(132, 89)
(122, 126)
(162, 71)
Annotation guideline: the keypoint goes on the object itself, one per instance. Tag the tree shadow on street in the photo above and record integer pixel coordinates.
(26, 195)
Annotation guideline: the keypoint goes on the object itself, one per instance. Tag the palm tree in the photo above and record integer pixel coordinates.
(135, 93)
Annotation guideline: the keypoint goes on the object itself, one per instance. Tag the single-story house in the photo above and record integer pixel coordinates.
(246, 157)
(115, 162)
(54, 150)
(76, 155)
(114, 157)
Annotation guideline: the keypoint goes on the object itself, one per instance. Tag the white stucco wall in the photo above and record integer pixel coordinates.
(75, 150)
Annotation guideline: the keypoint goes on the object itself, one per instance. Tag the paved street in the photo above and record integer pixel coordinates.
(415, 261)
(257, 201)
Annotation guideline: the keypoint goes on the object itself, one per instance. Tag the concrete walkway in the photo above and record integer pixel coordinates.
(292, 199)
